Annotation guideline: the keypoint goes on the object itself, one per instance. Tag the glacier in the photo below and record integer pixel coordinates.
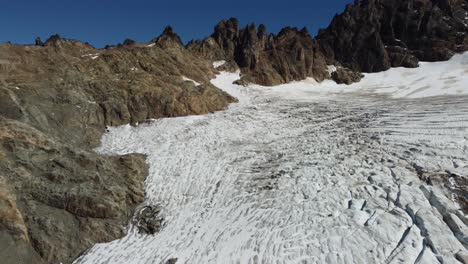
(308, 173)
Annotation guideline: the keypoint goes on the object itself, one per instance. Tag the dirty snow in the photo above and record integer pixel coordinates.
(299, 174)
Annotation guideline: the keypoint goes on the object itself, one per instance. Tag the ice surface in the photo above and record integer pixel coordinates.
(299, 174)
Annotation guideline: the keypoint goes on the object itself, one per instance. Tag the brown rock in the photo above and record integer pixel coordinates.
(264, 59)
(168, 39)
(60, 197)
(346, 76)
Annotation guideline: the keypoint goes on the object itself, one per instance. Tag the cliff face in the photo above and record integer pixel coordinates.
(57, 196)
(374, 35)
(265, 59)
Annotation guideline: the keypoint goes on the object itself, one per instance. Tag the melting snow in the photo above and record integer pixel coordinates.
(217, 64)
(296, 174)
(92, 56)
(151, 45)
(331, 69)
(190, 80)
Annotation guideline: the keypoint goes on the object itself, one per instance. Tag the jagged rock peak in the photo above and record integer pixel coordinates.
(261, 30)
(168, 39)
(168, 31)
(61, 43)
(53, 40)
(38, 42)
(232, 24)
(129, 42)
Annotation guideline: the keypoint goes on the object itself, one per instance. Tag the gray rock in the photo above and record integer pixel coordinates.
(265, 59)
(346, 76)
(148, 219)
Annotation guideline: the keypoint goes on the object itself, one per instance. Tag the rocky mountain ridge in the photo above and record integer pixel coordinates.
(265, 59)
(374, 35)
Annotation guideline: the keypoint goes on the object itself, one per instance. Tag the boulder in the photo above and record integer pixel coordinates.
(148, 220)
(346, 76)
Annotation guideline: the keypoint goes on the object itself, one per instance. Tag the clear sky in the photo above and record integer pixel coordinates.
(102, 22)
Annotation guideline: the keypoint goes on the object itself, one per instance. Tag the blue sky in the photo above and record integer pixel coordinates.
(102, 22)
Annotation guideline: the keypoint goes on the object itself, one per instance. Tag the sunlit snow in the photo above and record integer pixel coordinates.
(217, 64)
(190, 80)
(429, 79)
(92, 56)
(307, 173)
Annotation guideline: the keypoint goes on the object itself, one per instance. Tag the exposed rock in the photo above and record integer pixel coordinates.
(242, 82)
(401, 57)
(38, 42)
(67, 198)
(16, 246)
(374, 35)
(264, 59)
(129, 42)
(168, 39)
(346, 76)
(171, 261)
(148, 220)
(55, 102)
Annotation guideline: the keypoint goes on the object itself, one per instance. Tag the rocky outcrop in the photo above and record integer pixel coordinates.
(57, 196)
(168, 39)
(66, 198)
(265, 59)
(148, 219)
(346, 76)
(374, 35)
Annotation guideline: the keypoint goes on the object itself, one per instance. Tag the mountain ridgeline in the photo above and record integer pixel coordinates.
(58, 197)
(369, 36)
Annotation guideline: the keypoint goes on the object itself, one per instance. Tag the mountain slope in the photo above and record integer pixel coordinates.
(56, 99)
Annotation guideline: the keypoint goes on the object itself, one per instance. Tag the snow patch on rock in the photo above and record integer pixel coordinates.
(190, 80)
(217, 64)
